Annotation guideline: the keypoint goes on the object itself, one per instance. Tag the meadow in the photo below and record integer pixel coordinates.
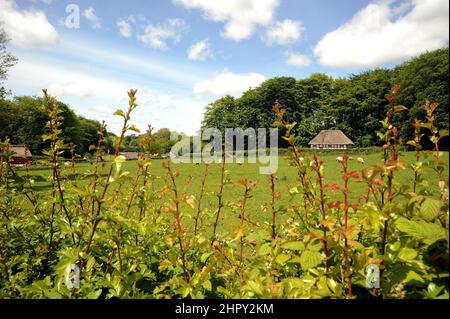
(325, 225)
(191, 178)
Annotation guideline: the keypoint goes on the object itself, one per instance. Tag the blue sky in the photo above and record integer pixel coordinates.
(183, 54)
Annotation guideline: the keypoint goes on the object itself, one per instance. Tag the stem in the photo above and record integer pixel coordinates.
(241, 250)
(322, 209)
(132, 105)
(347, 263)
(200, 197)
(219, 196)
(272, 188)
(180, 230)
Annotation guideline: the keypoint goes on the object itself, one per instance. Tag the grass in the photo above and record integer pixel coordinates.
(191, 176)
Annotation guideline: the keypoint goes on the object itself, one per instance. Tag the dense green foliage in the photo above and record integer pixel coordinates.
(23, 120)
(132, 237)
(160, 143)
(356, 104)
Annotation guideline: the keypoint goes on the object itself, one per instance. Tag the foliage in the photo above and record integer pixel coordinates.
(131, 238)
(23, 121)
(354, 104)
(7, 60)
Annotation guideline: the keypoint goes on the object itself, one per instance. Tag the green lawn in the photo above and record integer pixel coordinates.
(191, 175)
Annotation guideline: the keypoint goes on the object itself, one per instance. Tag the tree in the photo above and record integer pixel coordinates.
(425, 77)
(313, 112)
(7, 60)
(355, 104)
(23, 120)
(359, 103)
(220, 114)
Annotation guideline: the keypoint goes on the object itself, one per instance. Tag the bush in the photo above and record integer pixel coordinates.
(107, 240)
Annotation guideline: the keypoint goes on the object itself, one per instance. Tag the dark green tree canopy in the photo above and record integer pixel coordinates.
(23, 121)
(354, 104)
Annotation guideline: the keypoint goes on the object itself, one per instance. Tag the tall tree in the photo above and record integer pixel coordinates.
(425, 77)
(7, 60)
(359, 104)
(313, 112)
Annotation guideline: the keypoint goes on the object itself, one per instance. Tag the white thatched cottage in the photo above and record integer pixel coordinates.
(331, 139)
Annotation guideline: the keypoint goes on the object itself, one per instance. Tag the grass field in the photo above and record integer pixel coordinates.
(191, 176)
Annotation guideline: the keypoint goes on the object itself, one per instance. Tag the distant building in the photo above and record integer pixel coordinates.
(130, 155)
(330, 140)
(91, 159)
(21, 155)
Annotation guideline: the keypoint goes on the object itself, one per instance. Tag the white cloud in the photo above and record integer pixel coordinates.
(381, 33)
(156, 36)
(125, 28)
(89, 53)
(26, 28)
(283, 33)
(102, 109)
(240, 17)
(181, 112)
(199, 51)
(228, 83)
(298, 60)
(95, 21)
(69, 89)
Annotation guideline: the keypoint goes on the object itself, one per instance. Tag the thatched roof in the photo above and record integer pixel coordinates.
(130, 155)
(20, 151)
(331, 137)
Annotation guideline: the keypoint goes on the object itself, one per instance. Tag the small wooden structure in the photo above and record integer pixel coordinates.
(330, 140)
(130, 155)
(21, 155)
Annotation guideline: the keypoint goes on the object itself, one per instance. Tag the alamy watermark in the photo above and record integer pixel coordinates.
(72, 20)
(237, 146)
(72, 277)
(372, 276)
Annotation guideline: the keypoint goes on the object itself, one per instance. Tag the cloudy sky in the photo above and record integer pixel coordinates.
(183, 54)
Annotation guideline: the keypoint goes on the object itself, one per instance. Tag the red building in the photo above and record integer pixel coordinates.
(21, 155)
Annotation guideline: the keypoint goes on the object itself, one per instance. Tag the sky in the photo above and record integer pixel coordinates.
(182, 55)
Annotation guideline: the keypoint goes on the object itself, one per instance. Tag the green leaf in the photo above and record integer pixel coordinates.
(94, 294)
(430, 209)
(119, 160)
(443, 133)
(164, 265)
(295, 245)
(413, 276)
(427, 232)
(134, 128)
(282, 259)
(256, 287)
(207, 285)
(265, 249)
(426, 125)
(310, 259)
(119, 113)
(186, 292)
(407, 254)
(399, 108)
(204, 257)
(90, 264)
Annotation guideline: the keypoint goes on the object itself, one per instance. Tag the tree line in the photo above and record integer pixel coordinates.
(23, 120)
(355, 104)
